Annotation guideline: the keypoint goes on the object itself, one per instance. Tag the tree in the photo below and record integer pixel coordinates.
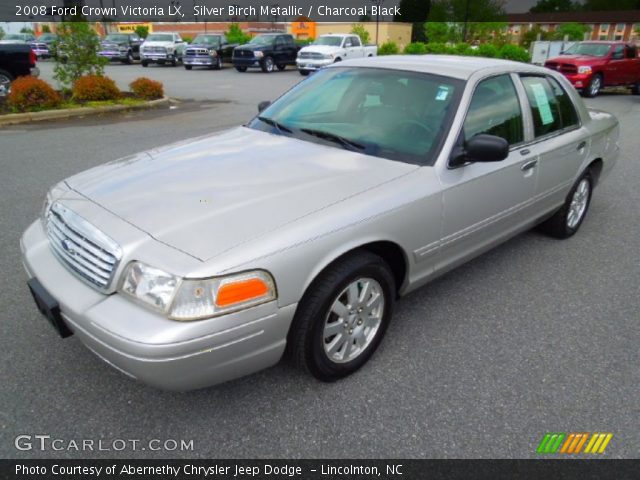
(142, 31)
(78, 46)
(46, 28)
(416, 12)
(27, 30)
(554, 6)
(236, 35)
(440, 32)
(575, 31)
(531, 36)
(598, 5)
(473, 19)
(358, 29)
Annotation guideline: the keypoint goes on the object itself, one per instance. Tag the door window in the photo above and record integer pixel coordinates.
(618, 52)
(552, 109)
(495, 110)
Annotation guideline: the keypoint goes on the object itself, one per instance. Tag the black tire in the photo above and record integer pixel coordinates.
(281, 67)
(174, 62)
(635, 89)
(306, 342)
(129, 59)
(304, 73)
(558, 225)
(218, 65)
(188, 67)
(241, 69)
(267, 65)
(144, 63)
(595, 85)
(337, 60)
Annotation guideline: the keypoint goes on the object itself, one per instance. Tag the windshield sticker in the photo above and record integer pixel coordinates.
(443, 93)
(543, 103)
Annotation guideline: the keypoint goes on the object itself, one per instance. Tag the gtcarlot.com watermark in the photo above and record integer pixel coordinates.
(42, 443)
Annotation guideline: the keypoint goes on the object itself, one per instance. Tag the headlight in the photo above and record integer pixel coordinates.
(196, 299)
(213, 53)
(150, 285)
(584, 69)
(258, 54)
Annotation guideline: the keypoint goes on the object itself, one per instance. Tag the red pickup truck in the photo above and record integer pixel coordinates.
(590, 66)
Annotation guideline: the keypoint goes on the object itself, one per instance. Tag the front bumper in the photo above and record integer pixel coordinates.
(113, 56)
(579, 80)
(199, 60)
(246, 62)
(149, 347)
(158, 57)
(312, 65)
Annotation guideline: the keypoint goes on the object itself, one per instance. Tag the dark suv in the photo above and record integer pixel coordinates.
(123, 47)
(266, 51)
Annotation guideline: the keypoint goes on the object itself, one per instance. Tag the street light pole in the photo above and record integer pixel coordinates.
(378, 3)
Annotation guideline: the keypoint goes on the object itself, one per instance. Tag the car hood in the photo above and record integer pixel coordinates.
(324, 49)
(578, 59)
(207, 195)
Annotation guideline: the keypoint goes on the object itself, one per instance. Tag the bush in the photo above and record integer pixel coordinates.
(77, 48)
(388, 48)
(187, 38)
(30, 93)
(513, 52)
(93, 88)
(146, 88)
(462, 49)
(142, 31)
(415, 48)
(486, 50)
(303, 42)
(236, 35)
(436, 48)
(360, 30)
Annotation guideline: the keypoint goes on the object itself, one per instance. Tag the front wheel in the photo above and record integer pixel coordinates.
(566, 221)
(594, 87)
(343, 316)
(218, 65)
(144, 63)
(635, 89)
(282, 67)
(5, 82)
(267, 65)
(304, 73)
(129, 59)
(241, 69)
(188, 67)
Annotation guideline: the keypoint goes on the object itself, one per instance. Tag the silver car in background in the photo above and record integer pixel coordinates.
(205, 260)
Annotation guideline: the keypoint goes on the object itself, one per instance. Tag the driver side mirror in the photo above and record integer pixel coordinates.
(481, 148)
(263, 105)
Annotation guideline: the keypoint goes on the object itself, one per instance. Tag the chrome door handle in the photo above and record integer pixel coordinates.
(529, 165)
(526, 151)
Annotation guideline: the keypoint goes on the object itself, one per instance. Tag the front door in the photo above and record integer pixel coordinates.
(484, 202)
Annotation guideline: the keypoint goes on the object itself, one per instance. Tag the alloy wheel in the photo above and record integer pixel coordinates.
(5, 85)
(579, 203)
(353, 320)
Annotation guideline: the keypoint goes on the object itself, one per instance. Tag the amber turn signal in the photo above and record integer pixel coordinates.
(242, 291)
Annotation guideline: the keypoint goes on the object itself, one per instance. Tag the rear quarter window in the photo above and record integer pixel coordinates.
(551, 107)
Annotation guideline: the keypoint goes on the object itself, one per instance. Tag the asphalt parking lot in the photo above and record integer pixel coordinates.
(536, 336)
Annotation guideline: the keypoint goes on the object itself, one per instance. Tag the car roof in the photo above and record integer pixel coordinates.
(448, 65)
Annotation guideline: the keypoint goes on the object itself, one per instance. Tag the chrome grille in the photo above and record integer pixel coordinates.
(243, 53)
(192, 52)
(81, 247)
(154, 50)
(314, 55)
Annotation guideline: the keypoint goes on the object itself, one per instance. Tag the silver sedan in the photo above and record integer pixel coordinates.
(209, 259)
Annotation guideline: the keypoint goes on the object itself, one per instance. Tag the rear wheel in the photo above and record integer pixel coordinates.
(594, 87)
(267, 65)
(129, 59)
(282, 67)
(566, 221)
(635, 89)
(5, 82)
(241, 69)
(304, 73)
(188, 67)
(218, 65)
(144, 63)
(343, 316)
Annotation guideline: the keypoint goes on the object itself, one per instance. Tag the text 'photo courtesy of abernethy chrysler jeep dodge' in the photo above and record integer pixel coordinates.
(295, 234)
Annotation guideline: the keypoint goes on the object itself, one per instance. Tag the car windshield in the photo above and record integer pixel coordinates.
(116, 38)
(158, 37)
(15, 36)
(590, 49)
(331, 41)
(262, 40)
(392, 114)
(207, 39)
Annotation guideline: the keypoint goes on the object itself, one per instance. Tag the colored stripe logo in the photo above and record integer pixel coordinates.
(573, 443)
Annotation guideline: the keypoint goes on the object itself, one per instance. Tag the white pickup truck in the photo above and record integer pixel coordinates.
(331, 48)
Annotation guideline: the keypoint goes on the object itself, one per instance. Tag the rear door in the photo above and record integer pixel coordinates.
(560, 142)
(614, 70)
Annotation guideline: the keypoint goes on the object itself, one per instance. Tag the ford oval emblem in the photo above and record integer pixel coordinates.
(68, 247)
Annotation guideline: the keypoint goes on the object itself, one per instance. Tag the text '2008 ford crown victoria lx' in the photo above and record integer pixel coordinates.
(203, 261)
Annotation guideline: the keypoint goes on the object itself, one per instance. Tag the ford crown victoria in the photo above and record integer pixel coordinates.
(209, 259)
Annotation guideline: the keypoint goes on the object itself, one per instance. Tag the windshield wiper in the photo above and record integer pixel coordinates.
(332, 137)
(278, 126)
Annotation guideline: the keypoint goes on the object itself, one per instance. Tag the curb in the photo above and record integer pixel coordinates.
(16, 118)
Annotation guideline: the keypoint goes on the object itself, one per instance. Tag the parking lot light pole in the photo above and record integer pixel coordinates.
(377, 3)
